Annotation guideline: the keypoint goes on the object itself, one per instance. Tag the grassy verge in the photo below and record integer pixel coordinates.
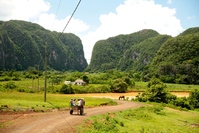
(149, 119)
(17, 101)
(142, 86)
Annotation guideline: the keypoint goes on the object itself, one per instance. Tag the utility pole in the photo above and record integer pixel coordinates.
(45, 67)
(38, 89)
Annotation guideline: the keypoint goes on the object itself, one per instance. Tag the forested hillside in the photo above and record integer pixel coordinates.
(109, 54)
(23, 44)
(172, 59)
(177, 61)
(141, 54)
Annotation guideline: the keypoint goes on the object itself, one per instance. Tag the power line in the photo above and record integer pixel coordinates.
(46, 56)
(70, 18)
(56, 14)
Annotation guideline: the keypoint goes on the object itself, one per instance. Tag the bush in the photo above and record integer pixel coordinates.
(16, 79)
(119, 86)
(80, 89)
(5, 78)
(129, 81)
(10, 85)
(194, 98)
(66, 89)
(21, 90)
(167, 79)
(104, 89)
(53, 89)
(192, 102)
(182, 102)
(91, 89)
(156, 92)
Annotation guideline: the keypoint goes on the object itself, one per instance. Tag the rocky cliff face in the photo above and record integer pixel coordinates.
(24, 44)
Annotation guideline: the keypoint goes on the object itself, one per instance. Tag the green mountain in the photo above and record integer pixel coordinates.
(177, 61)
(108, 54)
(141, 54)
(23, 44)
(172, 59)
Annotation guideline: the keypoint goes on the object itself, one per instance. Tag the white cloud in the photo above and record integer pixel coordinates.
(132, 16)
(169, 1)
(75, 26)
(37, 11)
(22, 9)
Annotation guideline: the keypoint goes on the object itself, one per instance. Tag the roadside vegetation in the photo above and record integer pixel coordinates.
(154, 117)
(20, 102)
(158, 93)
(147, 119)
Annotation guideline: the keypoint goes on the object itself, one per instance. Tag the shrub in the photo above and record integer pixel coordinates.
(10, 85)
(85, 79)
(129, 81)
(6, 78)
(66, 89)
(16, 79)
(182, 102)
(21, 90)
(118, 85)
(80, 89)
(167, 79)
(53, 89)
(156, 92)
(194, 98)
(104, 89)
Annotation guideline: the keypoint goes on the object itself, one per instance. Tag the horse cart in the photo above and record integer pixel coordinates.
(78, 109)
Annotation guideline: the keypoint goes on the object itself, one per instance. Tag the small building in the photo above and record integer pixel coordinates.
(79, 82)
(67, 82)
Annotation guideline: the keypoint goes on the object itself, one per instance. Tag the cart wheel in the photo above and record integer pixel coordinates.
(71, 112)
(81, 111)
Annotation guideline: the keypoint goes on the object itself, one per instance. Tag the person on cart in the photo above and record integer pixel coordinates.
(72, 102)
(79, 107)
(79, 104)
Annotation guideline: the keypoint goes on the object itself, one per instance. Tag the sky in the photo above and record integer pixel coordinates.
(96, 20)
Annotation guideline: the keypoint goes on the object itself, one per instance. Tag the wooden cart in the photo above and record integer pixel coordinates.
(78, 109)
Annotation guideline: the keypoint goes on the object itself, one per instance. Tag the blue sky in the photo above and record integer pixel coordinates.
(99, 19)
(90, 10)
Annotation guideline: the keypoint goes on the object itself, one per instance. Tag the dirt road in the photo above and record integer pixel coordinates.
(57, 121)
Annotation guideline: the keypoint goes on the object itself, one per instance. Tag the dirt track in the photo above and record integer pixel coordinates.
(57, 121)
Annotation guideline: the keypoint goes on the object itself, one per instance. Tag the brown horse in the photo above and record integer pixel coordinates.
(122, 97)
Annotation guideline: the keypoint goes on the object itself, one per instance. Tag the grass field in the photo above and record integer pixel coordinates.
(29, 85)
(34, 101)
(141, 86)
(17, 101)
(148, 119)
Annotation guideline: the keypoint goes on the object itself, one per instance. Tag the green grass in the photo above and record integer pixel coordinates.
(181, 87)
(17, 101)
(148, 119)
(29, 85)
(142, 86)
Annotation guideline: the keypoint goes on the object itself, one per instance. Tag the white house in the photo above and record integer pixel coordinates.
(80, 82)
(67, 82)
